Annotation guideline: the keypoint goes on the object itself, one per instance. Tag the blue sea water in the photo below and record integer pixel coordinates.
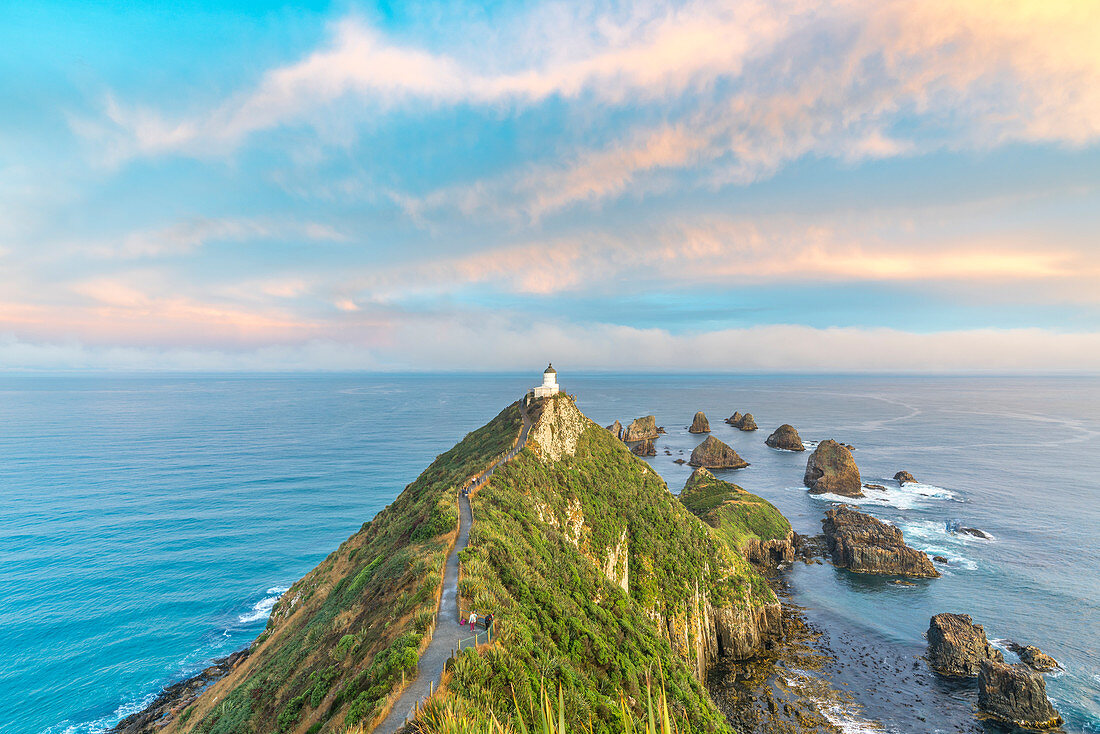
(147, 524)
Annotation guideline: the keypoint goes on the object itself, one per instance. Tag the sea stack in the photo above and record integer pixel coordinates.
(1015, 695)
(785, 437)
(831, 468)
(616, 429)
(747, 423)
(640, 429)
(700, 424)
(713, 454)
(645, 448)
(862, 544)
(957, 647)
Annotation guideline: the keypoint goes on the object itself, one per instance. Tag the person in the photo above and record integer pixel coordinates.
(473, 620)
(488, 621)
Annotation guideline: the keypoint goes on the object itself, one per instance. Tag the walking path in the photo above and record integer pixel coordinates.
(448, 632)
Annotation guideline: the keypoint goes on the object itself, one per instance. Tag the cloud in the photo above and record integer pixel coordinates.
(720, 251)
(738, 89)
(478, 343)
(191, 234)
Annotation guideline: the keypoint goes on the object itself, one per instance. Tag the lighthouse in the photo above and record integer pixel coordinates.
(549, 384)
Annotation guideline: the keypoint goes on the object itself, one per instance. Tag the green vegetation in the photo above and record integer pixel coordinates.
(342, 637)
(545, 533)
(737, 516)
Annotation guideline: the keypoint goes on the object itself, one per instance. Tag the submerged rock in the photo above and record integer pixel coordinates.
(644, 448)
(700, 424)
(713, 454)
(616, 429)
(879, 487)
(640, 429)
(831, 468)
(957, 647)
(785, 437)
(863, 544)
(903, 476)
(939, 559)
(1034, 658)
(1015, 695)
(679, 461)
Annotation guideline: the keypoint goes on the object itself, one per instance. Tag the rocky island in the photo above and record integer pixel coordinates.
(640, 429)
(700, 424)
(863, 544)
(1015, 695)
(957, 647)
(832, 469)
(713, 454)
(785, 437)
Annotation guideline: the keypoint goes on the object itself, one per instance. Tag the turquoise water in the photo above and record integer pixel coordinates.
(147, 525)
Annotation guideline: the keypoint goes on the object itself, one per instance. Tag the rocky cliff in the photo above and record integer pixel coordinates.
(1015, 695)
(699, 424)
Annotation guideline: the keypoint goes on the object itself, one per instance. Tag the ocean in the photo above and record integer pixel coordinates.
(148, 524)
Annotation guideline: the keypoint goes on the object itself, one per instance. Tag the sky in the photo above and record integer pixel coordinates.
(732, 185)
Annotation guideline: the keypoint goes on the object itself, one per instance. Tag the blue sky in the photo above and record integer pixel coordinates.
(790, 185)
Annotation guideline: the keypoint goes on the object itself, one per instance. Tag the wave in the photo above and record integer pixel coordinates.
(936, 539)
(903, 497)
(106, 722)
(262, 608)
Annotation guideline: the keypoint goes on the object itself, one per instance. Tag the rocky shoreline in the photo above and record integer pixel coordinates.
(174, 699)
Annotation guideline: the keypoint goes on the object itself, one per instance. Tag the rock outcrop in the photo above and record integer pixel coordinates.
(735, 419)
(1015, 695)
(558, 428)
(616, 429)
(700, 424)
(1034, 658)
(903, 476)
(747, 423)
(713, 454)
(831, 468)
(644, 448)
(862, 544)
(785, 437)
(640, 429)
(957, 647)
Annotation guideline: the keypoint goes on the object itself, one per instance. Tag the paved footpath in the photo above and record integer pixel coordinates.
(448, 631)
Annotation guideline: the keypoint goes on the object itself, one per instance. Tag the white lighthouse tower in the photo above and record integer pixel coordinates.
(549, 384)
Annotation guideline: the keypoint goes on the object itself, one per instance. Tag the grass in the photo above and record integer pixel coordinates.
(737, 516)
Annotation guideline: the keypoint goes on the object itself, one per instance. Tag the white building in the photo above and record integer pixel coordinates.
(549, 384)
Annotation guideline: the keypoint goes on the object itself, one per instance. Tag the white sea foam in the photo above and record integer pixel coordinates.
(102, 724)
(262, 608)
(843, 719)
(936, 540)
(907, 497)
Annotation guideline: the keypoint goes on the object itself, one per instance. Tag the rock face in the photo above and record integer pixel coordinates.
(616, 429)
(903, 476)
(641, 428)
(558, 428)
(747, 423)
(713, 454)
(785, 437)
(644, 448)
(1034, 658)
(735, 419)
(700, 424)
(863, 544)
(957, 647)
(831, 468)
(1015, 695)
